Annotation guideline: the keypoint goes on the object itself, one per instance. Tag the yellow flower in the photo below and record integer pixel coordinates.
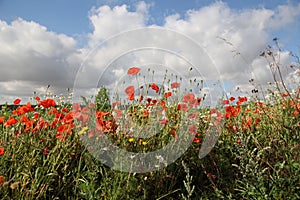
(131, 140)
(144, 143)
(83, 130)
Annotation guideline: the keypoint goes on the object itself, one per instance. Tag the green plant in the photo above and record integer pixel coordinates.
(187, 183)
(102, 101)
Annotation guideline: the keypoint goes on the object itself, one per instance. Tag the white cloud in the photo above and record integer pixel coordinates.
(23, 36)
(32, 57)
(284, 14)
(245, 32)
(142, 7)
(108, 21)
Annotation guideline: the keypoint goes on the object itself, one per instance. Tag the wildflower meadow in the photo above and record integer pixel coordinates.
(50, 149)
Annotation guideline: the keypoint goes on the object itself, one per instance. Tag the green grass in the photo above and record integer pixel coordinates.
(257, 155)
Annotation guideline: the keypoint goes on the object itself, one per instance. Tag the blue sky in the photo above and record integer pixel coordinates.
(71, 16)
(76, 26)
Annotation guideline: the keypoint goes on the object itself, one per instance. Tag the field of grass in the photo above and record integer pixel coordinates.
(257, 155)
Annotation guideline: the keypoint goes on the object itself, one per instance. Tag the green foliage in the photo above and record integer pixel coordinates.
(257, 163)
(256, 157)
(102, 101)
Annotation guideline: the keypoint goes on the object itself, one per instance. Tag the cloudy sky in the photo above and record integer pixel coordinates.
(82, 45)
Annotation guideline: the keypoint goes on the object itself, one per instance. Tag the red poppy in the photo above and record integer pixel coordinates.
(133, 70)
(193, 116)
(154, 87)
(36, 115)
(145, 113)
(76, 107)
(91, 105)
(60, 136)
(85, 119)
(23, 109)
(162, 103)
(231, 98)
(47, 103)
(131, 97)
(232, 111)
(116, 103)
(28, 125)
(100, 114)
(149, 100)
(17, 101)
(183, 107)
(129, 90)
(24, 119)
(1, 180)
(68, 119)
(164, 121)
(209, 175)
(175, 85)
(173, 133)
(167, 94)
(224, 102)
(41, 123)
(141, 98)
(1, 151)
(257, 121)
(65, 110)
(188, 98)
(117, 113)
(256, 110)
(298, 106)
(10, 121)
(61, 128)
(52, 111)
(35, 129)
(45, 151)
(235, 128)
(239, 142)
(247, 123)
(37, 98)
(229, 111)
(59, 115)
(153, 102)
(1, 120)
(241, 100)
(195, 102)
(285, 94)
(197, 140)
